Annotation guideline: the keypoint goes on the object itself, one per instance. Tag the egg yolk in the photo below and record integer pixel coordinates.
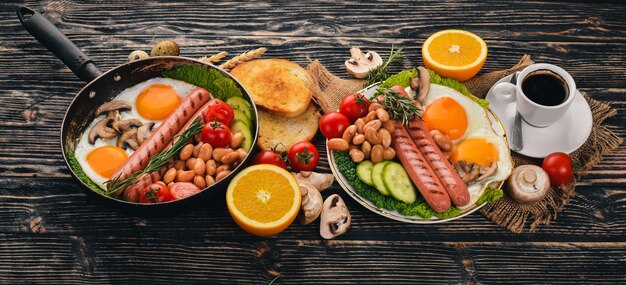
(475, 150)
(106, 160)
(447, 116)
(157, 101)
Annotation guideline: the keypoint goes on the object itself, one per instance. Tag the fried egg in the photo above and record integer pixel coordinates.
(468, 126)
(152, 101)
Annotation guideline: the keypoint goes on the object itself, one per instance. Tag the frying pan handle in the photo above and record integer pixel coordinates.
(50, 37)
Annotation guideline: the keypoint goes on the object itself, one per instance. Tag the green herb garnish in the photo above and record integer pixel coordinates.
(381, 72)
(160, 160)
(399, 107)
(220, 86)
(490, 195)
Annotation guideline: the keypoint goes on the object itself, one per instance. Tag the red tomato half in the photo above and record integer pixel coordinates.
(155, 193)
(333, 124)
(216, 134)
(303, 156)
(220, 112)
(558, 165)
(354, 106)
(269, 157)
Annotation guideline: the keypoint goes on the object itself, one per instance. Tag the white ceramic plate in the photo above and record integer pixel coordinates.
(394, 215)
(565, 135)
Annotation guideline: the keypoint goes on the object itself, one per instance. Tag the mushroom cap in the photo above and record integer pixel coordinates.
(528, 184)
(335, 217)
(360, 64)
(144, 132)
(420, 85)
(128, 139)
(123, 125)
(321, 181)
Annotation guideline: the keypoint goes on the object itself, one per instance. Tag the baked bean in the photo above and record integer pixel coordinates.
(209, 180)
(185, 176)
(338, 144)
(179, 164)
(199, 167)
(218, 153)
(199, 181)
(210, 168)
(205, 152)
(186, 152)
(230, 157)
(236, 139)
(377, 154)
(222, 175)
(169, 176)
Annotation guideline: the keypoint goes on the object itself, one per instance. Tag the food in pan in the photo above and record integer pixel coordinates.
(144, 106)
(166, 139)
(446, 155)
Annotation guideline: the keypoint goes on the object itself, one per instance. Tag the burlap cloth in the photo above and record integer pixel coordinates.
(328, 90)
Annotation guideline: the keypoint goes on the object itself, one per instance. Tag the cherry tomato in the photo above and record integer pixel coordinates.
(182, 190)
(220, 112)
(155, 193)
(400, 90)
(269, 157)
(558, 165)
(216, 134)
(333, 124)
(303, 156)
(354, 106)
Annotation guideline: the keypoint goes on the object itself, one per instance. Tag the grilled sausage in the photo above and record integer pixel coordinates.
(457, 190)
(163, 134)
(419, 170)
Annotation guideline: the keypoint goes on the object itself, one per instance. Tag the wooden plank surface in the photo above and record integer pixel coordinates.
(52, 232)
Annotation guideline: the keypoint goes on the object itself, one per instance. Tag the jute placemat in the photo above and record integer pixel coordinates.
(328, 90)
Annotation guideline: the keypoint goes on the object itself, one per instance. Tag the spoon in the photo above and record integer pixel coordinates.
(517, 140)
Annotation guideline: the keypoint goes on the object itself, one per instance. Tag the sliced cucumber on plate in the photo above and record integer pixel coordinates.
(364, 172)
(240, 104)
(398, 183)
(377, 178)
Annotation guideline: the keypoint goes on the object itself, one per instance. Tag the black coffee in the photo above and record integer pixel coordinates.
(545, 88)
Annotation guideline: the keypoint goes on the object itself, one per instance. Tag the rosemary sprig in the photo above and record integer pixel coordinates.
(381, 72)
(399, 107)
(160, 160)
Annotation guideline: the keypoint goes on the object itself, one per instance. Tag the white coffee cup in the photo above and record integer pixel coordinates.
(533, 113)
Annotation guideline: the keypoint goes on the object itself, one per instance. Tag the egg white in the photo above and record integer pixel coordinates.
(478, 126)
(128, 95)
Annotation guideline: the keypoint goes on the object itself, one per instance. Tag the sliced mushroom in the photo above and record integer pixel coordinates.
(112, 105)
(467, 172)
(311, 204)
(128, 139)
(102, 129)
(486, 171)
(144, 132)
(321, 181)
(335, 217)
(420, 85)
(361, 63)
(123, 125)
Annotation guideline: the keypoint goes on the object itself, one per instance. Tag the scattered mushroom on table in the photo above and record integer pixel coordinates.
(360, 64)
(335, 217)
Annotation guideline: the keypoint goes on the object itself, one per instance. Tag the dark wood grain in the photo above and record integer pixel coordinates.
(52, 232)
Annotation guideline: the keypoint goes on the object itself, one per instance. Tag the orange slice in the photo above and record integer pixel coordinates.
(457, 54)
(263, 199)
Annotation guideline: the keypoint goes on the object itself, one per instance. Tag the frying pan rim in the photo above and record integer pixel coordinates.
(144, 62)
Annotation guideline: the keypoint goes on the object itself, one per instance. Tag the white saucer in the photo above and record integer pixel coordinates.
(565, 135)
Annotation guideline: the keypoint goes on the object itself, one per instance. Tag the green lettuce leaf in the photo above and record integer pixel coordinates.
(401, 78)
(212, 80)
(458, 86)
(490, 195)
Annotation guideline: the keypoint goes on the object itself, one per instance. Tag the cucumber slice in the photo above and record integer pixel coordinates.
(364, 172)
(240, 104)
(241, 116)
(398, 183)
(377, 178)
(244, 129)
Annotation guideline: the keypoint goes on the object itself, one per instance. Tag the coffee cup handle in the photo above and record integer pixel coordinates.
(504, 92)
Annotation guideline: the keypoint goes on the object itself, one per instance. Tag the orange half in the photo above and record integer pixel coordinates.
(456, 54)
(263, 199)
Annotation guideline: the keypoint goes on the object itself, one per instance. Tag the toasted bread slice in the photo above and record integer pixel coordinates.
(275, 129)
(278, 85)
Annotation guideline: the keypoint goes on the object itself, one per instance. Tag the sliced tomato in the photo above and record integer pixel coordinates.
(220, 112)
(181, 190)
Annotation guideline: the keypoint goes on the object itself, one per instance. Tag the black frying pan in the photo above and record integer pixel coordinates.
(102, 87)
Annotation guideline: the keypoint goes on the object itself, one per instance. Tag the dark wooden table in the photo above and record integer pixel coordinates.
(52, 232)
